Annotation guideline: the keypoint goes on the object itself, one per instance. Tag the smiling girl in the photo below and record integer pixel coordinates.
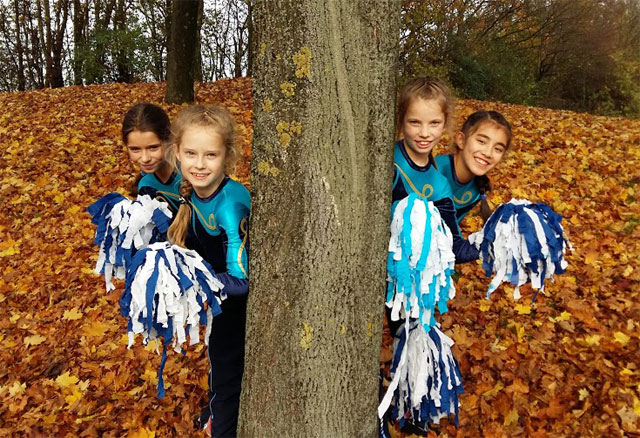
(425, 109)
(146, 132)
(481, 144)
(213, 221)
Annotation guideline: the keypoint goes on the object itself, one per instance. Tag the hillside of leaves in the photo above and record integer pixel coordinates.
(566, 366)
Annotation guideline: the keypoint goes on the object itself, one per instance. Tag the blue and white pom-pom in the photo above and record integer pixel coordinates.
(426, 377)
(124, 226)
(420, 262)
(522, 242)
(166, 290)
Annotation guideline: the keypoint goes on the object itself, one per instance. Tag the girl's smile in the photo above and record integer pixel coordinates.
(146, 150)
(202, 157)
(422, 129)
(480, 151)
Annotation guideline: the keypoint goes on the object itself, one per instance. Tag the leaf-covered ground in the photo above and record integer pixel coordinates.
(566, 366)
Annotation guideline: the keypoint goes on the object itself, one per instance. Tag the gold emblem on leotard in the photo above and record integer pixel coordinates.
(425, 188)
(466, 197)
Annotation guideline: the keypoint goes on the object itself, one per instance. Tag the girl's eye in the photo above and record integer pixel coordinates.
(436, 123)
(500, 150)
(211, 155)
(154, 147)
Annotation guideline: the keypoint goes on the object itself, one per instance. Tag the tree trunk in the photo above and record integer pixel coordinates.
(80, 19)
(123, 62)
(197, 65)
(250, 37)
(19, 49)
(45, 37)
(62, 13)
(182, 51)
(324, 88)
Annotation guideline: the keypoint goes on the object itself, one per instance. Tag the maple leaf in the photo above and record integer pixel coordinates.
(522, 309)
(592, 340)
(17, 388)
(621, 338)
(511, 418)
(95, 328)
(583, 393)
(73, 397)
(66, 380)
(34, 340)
(484, 305)
(72, 315)
(143, 432)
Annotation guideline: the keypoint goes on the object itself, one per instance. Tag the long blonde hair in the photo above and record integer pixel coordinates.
(202, 116)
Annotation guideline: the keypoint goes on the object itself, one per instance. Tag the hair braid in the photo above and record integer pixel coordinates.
(178, 230)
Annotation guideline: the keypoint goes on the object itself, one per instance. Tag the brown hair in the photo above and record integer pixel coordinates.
(471, 125)
(211, 117)
(145, 117)
(428, 88)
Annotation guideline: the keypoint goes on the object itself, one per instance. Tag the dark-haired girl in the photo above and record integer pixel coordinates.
(146, 132)
(481, 144)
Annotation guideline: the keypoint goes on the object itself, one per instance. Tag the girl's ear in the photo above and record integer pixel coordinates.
(460, 139)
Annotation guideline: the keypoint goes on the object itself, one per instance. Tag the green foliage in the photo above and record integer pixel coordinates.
(110, 50)
(573, 54)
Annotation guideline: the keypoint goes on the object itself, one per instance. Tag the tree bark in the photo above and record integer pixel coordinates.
(19, 49)
(324, 88)
(182, 51)
(122, 61)
(197, 64)
(80, 19)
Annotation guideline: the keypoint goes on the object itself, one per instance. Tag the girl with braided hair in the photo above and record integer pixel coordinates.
(212, 220)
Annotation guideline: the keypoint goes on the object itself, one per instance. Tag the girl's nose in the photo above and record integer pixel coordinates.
(145, 155)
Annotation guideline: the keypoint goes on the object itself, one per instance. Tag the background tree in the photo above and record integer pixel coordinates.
(324, 92)
(181, 55)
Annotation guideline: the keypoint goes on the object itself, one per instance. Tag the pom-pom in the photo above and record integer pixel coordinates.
(426, 377)
(522, 242)
(420, 262)
(124, 226)
(166, 291)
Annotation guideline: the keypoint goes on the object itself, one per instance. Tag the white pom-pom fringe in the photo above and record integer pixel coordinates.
(522, 242)
(125, 226)
(426, 377)
(420, 262)
(166, 290)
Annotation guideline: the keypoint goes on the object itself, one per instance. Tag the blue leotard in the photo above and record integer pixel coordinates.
(430, 184)
(465, 196)
(219, 233)
(168, 191)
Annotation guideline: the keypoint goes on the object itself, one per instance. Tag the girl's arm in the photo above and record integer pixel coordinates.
(235, 223)
(463, 250)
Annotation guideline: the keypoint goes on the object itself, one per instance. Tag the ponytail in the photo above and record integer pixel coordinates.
(178, 230)
(484, 186)
(133, 191)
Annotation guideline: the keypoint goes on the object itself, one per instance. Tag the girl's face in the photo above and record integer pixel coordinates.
(481, 151)
(422, 128)
(202, 156)
(146, 150)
